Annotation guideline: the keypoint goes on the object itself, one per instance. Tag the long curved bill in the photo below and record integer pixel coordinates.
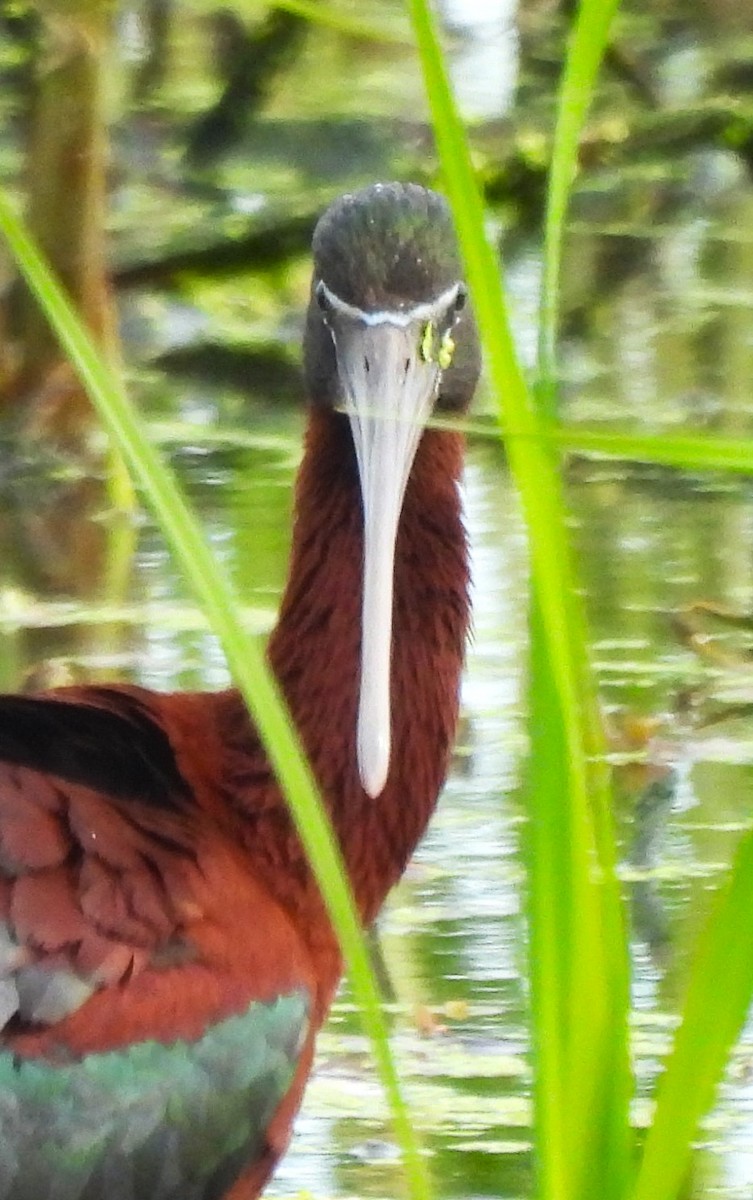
(390, 384)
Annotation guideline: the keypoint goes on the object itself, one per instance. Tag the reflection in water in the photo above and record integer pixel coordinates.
(646, 778)
(61, 539)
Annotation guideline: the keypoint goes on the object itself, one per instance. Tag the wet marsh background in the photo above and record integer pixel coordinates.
(210, 218)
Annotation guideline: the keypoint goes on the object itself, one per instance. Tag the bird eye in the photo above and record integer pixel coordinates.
(461, 298)
(322, 299)
(446, 351)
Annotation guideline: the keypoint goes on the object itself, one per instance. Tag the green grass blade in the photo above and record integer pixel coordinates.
(585, 51)
(550, 915)
(580, 976)
(705, 452)
(322, 14)
(244, 656)
(605, 1169)
(718, 998)
(578, 964)
(689, 452)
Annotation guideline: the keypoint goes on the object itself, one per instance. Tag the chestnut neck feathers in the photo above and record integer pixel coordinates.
(314, 651)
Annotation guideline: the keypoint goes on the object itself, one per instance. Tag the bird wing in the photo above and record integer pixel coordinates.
(95, 855)
(157, 1005)
(106, 738)
(107, 872)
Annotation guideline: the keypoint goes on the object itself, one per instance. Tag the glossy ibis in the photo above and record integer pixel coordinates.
(165, 958)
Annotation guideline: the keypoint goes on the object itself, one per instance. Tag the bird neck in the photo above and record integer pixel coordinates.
(315, 648)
